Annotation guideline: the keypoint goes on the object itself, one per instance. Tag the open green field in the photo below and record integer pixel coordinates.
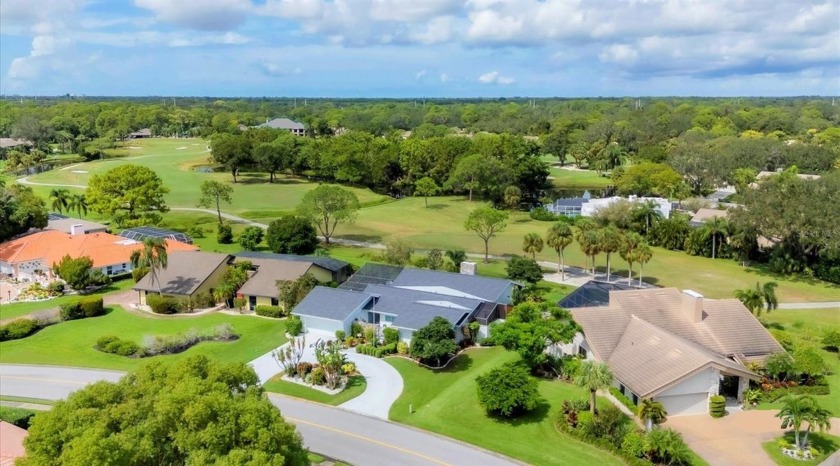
(72, 343)
(8, 311)
(355, 386)
(572, 178)
(175, 161)
(446, 402)
(809, 325)
(823, 442)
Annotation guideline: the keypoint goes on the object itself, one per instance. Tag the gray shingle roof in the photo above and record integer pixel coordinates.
(484, 288)
(330, 303)
(333, 265)
(282, 123)
(184, 273)
(415, 309)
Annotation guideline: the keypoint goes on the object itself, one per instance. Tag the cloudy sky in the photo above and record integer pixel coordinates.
(413, 48)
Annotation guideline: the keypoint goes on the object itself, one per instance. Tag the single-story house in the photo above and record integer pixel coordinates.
(261, 288)
(326, 269)
(677, 348)
(405, 299)
(32, 256)
(140, 134)
(284, 123)
(587, 206)
(11, 443)
(187, 273)
(75, 226)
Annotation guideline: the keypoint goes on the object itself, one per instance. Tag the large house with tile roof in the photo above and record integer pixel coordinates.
(678, 348)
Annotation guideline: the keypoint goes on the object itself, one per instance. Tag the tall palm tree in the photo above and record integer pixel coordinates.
(648, 213)
(797, 410)
(153, 255)
(609, 241)
(716, 226)
(559, 237)
(594, 376)
(651, 412)
(79, 204)
(60, 199)
(643, 255)
(532, 244)
(590, 245)
(751, 299)
(614, 155)
(768, 293)
(629, 251)
(456, 256)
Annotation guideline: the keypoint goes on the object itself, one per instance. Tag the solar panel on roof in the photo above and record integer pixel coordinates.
(141, 233)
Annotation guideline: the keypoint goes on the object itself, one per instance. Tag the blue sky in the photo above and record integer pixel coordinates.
(414, 48)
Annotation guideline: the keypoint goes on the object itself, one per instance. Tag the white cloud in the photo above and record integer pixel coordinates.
(444, 77)
(619, 53)
(494, 77)
(228, 38)
(210, 15)
(420, 74)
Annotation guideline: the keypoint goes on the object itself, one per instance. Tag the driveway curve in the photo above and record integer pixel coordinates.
(384, 386)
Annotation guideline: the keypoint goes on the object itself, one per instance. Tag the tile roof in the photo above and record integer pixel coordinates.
(702, 215)
(50, 246)
(328, 263)
(264, 281)
(184, 273)
(331, 303)
(281, 123)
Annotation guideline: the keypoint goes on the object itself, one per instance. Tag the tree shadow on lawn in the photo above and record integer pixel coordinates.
(437, 206)
(764, 271)
(535, 416)
(461, 364)
(362, 238)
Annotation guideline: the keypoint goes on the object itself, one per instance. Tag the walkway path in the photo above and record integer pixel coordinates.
(814, 305)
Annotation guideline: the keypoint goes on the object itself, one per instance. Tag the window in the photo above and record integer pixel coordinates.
(252, 302)
(635, 399)
(582, 352)
(109, 270)
(621, 388)
(275, 302)
(389, 319)
(373, 317)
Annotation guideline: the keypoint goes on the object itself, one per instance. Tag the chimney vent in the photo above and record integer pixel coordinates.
(467, 268)
(692, 304)
(77, 229)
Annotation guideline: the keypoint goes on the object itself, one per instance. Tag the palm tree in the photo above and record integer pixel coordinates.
(559, 237)
(153, 255)
(648, 213)
(60, 199)
(768, 292)
(609, 241)
(590, 245)
(629, 251)
(456, 256)
(796, 410)
(751, 299)
(594, 376)
(78, 203)
(643, 255)
(651, 412)
(714, 227)
(614, 155)
(532, 243)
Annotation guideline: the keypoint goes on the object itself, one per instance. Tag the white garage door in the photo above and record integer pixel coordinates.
(692, 403)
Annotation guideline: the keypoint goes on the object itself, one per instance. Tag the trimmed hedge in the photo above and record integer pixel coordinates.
(17, 329)
(82, 309)
(623, 399)
(116, 345)
(774, 395)
(162, 304)
(717, 406)
(294, 326)
(17, 416)
(275, 312)
(164, 344)
(377, 351)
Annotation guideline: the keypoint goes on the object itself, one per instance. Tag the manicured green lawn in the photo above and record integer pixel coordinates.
(809, 324)
(355, 386)
(562, 178)
(446, 402)
(8, 311)
(72, 343)
(824, 443)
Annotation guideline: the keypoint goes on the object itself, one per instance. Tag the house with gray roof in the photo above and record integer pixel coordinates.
(677, 348)
(338, 270)
(405, 299)
(284, 123)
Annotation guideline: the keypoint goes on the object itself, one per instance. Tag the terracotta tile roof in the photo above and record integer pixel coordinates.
(11, 443)
(264, 281)
(702, 215)
(184, 273)
(50, 246)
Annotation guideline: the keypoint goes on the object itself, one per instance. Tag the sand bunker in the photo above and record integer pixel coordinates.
(78, 171)
(181, 148)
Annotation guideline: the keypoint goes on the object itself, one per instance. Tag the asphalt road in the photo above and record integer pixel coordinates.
(357, 439)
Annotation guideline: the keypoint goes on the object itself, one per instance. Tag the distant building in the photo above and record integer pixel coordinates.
(284, 123)
(140, 134)
(10, 143)
(586, 206)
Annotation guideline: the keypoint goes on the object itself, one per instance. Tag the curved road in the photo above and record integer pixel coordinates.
(360, 440)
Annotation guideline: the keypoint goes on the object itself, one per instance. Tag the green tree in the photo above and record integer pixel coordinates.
(532, 244)
(331, 360)
(20, 210)
(589, 244)
(75, 272)
(435, 341)
(153, 256)
(292, 292)
(167, 414)
(397, 252)
(808, 361)
(456, 256)
(508, 391)
(434, 259)
(79, 204)
(779, 366)
(643, 255)
(130, 194)
(560, 236)
(594, 376)
(759, 298)
(666, 446)
(647, 212)
(291, 235)
(327, 206)
(522, 269)
(213, 193)
(531, 327)
(797, 410)
(742, 178)
(251, 238)
(716, 227)
(426, 187)
(60, 199)
(486, 222)
(512, 197)
(231, 150)
(651, 412)
(610, 240)
(629, 251)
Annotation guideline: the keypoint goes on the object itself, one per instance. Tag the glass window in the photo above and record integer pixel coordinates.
(389, 319)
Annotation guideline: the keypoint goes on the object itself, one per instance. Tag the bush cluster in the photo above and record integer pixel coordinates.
(828, 272)
(163, 344)
(717, 406)
(542, 214)
(82, 308)
(377, 351)
(17, 329)
(269, 311)
(294, 326)
(340, 335)
(224, 234)
(777, 393)
(623, 399)
(115, 345)
(162, 304)
(391, 335)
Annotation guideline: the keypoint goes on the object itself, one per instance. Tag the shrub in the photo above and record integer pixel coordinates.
(294, 326)
(508, 391)
(391, 335)
(75, 272)
(340, 335)
(251, 238)
(105, 340)
(831, 339)
(195, 231)
(17, 416)
(385, 350)
(203, 300)
(224, 234)
(56, 288)
(523, 269)
(91, 307)
(667, 446)
(162, 304)
(370, 336)
(608, 424)
(127, 348)
(778, 365)
(317, 376)
(70, 311)
(17, 329)
(623, 399)
(224, 332)
(717, 406)
(570, 367)
(356, 329)
(304, 368)
(808, 360)
(542, 214)
(634, 443)
(397, 252)
(139, 273)
(349, 342)
(115, 345)
(291, 235)
(349, 368)
(402, 348)
(269, 311)
(435, 341)
(784, 338)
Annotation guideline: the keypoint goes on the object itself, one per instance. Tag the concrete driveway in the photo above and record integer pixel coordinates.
(734, 440)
